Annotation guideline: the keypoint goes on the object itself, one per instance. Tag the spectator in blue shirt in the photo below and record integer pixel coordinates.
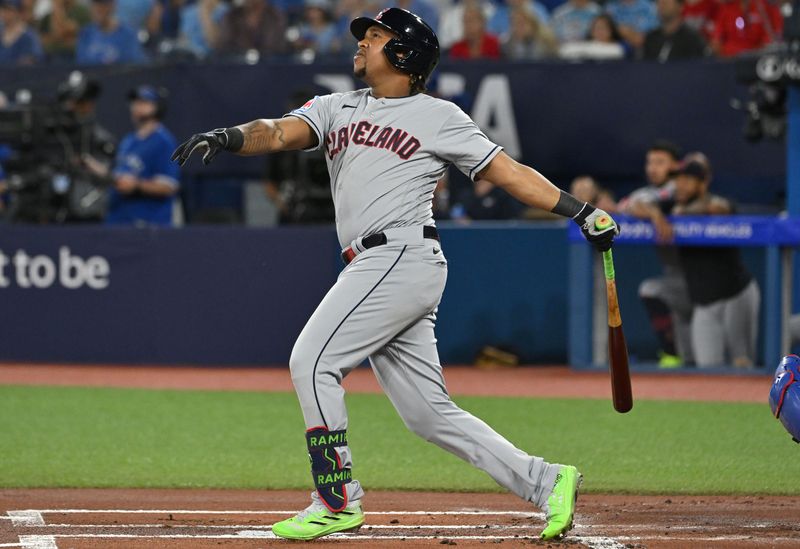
(198, 22)
(105, 41)
(634, 19)
(134, 13)
(18, 44)
(572, 20)
(317, 32)
(145, 181)
(500, 22)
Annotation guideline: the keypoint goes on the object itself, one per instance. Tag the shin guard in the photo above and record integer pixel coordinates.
(330, 478)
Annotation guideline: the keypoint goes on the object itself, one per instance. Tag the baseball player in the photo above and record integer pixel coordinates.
(386, 146)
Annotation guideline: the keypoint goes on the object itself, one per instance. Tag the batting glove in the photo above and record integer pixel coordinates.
(597, 227)
(229, 139)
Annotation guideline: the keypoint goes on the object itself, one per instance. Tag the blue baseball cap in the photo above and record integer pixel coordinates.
(145, 93)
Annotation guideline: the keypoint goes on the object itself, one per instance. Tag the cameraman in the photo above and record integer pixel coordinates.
(91, 176)
(58, 158)
(145, 181)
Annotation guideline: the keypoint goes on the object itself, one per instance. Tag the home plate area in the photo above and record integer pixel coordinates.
(394, 519)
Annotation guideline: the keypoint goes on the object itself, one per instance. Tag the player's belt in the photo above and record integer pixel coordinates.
(379, 239)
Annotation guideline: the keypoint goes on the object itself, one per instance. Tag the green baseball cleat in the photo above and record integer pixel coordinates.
(561, 503)
(669, 361)
(317, 521)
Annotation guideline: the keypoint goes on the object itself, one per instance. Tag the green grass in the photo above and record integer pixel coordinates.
(75, 437)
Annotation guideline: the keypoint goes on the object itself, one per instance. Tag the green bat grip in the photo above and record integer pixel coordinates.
(608, 265)
(608, 258)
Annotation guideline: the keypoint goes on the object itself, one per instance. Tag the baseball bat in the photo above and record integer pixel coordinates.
(621, 394)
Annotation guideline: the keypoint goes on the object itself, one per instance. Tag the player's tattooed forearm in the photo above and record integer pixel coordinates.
(279, 133)
(261, 136)
(256, 137)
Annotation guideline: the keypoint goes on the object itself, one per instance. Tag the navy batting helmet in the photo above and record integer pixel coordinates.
(416, 48)
(784, 397)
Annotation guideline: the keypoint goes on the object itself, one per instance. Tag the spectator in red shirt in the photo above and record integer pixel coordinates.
(700, 14)
(744, 25)
(477, 43)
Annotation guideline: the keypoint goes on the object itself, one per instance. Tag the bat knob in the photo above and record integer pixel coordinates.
(603, 222)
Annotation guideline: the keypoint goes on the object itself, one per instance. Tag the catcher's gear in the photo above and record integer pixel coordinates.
(229, 139)
(784, 397)
(330, 478)
(416, 48)
(597, 227)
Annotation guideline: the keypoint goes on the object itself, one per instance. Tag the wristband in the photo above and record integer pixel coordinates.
(569, 206)
(235, 139)
(586, 211)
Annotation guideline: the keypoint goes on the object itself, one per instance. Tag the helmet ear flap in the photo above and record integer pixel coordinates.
(395, 53)
(402, 56)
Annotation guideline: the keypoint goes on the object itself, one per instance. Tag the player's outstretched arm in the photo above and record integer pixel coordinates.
(256, 137)
(532, 188)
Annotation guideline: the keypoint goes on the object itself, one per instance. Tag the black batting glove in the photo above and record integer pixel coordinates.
(597, 227)
(229, 139)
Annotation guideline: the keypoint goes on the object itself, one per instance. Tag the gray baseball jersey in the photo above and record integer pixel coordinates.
(385, 156)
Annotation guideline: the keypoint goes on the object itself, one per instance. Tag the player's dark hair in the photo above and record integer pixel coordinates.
(662, 145)
(417, 84)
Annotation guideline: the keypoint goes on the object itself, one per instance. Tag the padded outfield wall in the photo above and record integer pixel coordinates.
(241, 296)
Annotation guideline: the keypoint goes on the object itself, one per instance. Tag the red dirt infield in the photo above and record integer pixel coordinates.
(180, 519)
(546, 381)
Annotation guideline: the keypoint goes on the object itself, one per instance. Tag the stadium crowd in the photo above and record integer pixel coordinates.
(92, 32)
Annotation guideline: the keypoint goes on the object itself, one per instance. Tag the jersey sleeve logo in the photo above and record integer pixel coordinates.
(307, 105)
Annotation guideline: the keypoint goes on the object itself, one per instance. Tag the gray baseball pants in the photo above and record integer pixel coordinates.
(725, 331)
(383, 307)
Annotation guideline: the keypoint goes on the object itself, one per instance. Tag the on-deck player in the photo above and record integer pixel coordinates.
(386, 146)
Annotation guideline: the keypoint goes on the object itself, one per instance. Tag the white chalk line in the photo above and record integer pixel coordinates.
(38, 542)
(28, 517)
(261, 527)
(701, 539)
(291, 512)
(594, 541)
(644, 526)
(265, 534)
